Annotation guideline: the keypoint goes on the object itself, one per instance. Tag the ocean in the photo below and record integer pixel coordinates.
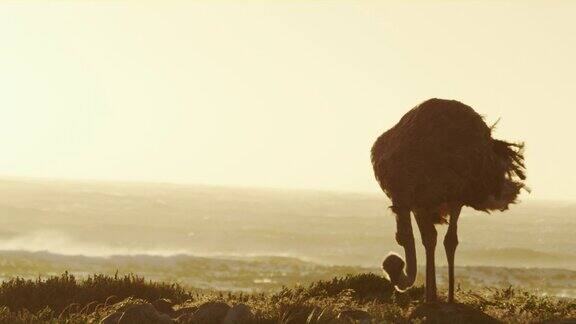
(227, 238)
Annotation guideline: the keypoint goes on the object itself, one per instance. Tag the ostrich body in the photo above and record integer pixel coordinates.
(438, 158)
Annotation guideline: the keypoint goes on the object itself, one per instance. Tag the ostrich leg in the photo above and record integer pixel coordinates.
(429, 235)
(450, 244)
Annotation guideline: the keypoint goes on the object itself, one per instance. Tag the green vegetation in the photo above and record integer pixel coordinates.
(70, 300)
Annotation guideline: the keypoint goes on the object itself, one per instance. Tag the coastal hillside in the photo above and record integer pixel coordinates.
(362, 298)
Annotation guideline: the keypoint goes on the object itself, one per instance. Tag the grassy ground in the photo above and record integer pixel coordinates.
(64, 299)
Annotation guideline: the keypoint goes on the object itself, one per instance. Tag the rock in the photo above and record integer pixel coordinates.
(145, 313)
(137, 314)
(189, 310)
(450, 313)
(112, 318)
(239, 314)
(164, 318)
(356, 316)
(164, 306)
(184, 314)
(185, 318)
(210, 313)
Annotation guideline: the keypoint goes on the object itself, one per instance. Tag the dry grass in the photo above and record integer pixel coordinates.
(66, 299)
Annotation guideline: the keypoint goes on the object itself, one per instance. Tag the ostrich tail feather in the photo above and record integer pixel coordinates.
(512, 154)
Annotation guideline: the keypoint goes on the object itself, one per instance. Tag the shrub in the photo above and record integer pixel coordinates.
(58, 292)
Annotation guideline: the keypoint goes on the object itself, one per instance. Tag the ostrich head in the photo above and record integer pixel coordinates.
(393, 267)
(401, 274)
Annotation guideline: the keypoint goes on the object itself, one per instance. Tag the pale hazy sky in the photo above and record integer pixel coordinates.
(274, 93)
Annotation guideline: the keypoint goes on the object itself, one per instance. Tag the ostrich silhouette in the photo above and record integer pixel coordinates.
(438, 158)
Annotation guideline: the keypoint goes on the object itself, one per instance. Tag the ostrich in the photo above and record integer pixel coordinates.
(438, 158)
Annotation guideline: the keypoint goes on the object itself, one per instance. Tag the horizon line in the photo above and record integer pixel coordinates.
(4, 177)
